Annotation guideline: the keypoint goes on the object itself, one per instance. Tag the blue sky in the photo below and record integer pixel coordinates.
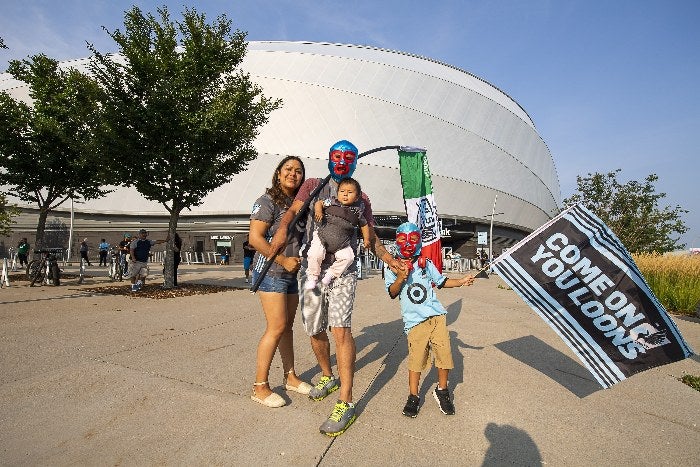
(609, 83)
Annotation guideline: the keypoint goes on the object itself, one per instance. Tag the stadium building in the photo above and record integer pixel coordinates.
(481, 146)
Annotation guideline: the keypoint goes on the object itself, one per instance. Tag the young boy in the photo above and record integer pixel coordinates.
(424, 317)
(342, 215)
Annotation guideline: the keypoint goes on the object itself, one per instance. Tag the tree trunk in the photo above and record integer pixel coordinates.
(40, 228)
(169, 268)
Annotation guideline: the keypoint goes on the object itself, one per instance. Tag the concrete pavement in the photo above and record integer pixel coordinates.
(94, 379)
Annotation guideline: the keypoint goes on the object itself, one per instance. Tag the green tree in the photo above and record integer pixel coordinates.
(6, 213)
(632, 211)
(178, 114)
(47, 153)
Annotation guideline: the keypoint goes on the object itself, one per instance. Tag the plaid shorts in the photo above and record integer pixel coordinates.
(330, 306)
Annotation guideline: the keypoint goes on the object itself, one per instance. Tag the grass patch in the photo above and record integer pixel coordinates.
(692, 381)
(674, 279)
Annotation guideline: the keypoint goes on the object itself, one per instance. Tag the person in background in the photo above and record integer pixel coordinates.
(124, 251)
(177, 256)
(248, 253)
(139, 251)
(84, 252)
(104, 248)
(22, 252)
(224, 257)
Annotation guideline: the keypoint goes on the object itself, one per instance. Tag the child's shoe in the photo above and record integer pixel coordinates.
(327, 278)
(412, 406)
(442, 396)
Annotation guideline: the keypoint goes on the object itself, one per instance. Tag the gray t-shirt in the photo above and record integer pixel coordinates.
(265, 210)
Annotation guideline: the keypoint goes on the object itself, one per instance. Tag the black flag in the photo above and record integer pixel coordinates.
(576, 274)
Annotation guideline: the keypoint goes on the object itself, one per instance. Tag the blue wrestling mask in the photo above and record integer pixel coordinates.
(342, 160)
(408, 240)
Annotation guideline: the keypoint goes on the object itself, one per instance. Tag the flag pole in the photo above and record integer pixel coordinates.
(302, 211)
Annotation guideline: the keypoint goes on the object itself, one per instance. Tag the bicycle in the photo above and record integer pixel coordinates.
(117, 266)
(37, 269)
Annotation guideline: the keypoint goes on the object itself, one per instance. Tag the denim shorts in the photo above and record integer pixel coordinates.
(286, 285)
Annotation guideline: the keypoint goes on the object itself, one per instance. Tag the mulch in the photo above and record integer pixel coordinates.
(154, 290)
(157, 291)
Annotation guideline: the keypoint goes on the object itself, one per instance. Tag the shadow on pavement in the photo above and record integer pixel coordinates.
(552, 363)
(510, 446)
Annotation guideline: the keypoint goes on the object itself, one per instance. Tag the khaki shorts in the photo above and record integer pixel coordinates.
(430, 334)
(138, 269)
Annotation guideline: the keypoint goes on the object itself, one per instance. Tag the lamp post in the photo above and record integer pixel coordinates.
(70, 232)
(493, 213)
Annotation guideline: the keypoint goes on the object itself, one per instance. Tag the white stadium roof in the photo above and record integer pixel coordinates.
(480, 143)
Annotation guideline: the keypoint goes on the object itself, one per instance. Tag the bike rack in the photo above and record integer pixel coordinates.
(5, 278)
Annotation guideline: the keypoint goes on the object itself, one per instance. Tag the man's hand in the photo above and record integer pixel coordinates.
(396, 265)
(278, 242)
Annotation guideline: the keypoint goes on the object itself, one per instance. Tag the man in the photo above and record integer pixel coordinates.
(84, 248)
(104, 248)
(140, 249)
(331, 306)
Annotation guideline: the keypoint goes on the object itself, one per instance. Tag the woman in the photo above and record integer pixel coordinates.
(248, 253)
(278, 291)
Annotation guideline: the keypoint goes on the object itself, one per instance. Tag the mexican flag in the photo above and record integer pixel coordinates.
(420, 203)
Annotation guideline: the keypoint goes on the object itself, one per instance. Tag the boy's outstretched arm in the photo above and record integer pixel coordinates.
(466, 280)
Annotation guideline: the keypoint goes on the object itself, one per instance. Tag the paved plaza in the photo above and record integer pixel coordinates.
(97, 379)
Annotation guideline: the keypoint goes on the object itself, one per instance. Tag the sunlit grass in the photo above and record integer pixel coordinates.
(674, 279)
(692, 381)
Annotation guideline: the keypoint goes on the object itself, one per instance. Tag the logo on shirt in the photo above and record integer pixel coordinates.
(417, 293)
(256, 208)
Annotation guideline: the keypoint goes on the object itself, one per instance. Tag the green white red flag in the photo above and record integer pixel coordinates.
(420, 202)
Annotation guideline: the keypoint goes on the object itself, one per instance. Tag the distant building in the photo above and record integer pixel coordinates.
(480, 143)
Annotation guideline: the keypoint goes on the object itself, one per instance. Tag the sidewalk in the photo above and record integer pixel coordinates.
(93, 379)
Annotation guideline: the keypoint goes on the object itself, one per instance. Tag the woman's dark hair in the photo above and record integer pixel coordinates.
(275, 191)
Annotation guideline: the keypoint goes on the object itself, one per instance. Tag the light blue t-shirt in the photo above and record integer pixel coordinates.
(418, 299)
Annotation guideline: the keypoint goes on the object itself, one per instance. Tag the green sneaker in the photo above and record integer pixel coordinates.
(341, 418)
(325, 386)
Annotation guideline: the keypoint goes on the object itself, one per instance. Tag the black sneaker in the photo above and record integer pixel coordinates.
(442, 396)
(411, 407)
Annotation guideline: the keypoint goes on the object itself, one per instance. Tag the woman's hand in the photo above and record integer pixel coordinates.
(289, 263)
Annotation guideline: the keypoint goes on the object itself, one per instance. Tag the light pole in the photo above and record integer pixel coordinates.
(493, 213)
(70, 232)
